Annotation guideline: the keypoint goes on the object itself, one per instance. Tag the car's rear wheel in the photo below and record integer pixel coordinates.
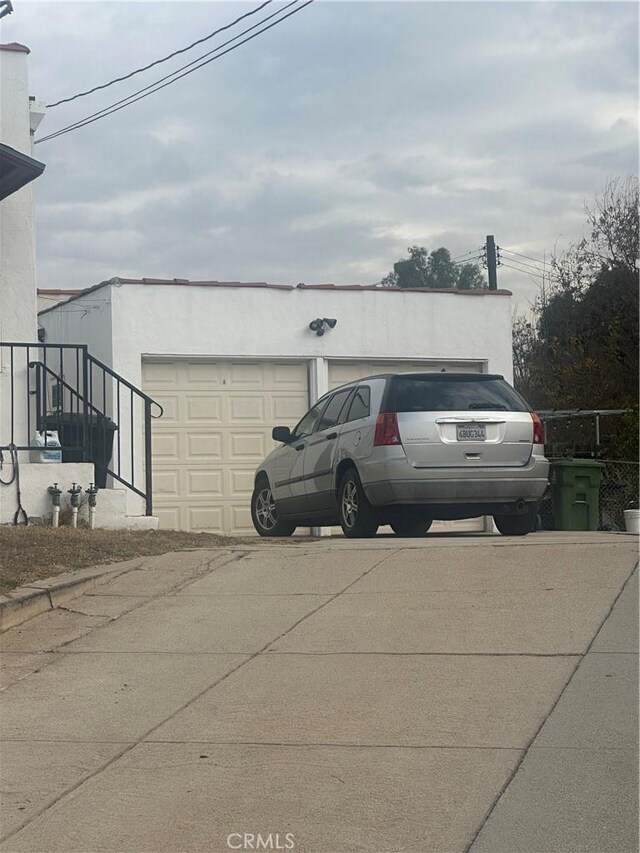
(411, 525)
(518, 525)
(358, 518)
(264, 513)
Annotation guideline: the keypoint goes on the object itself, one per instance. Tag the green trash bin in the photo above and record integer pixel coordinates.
(575, 493)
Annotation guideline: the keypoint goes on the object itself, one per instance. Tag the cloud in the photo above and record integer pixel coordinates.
(322, 149)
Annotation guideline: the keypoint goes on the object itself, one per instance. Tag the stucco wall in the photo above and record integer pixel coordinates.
(262, 322)
(17, 262)
(85, 320)
(17, 254)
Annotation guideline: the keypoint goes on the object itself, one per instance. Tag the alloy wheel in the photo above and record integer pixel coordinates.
(266, 509)
(350, 503)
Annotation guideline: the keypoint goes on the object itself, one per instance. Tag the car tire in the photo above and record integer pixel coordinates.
(411, 526)
(264, 513)
(517, 525)
(358, 518)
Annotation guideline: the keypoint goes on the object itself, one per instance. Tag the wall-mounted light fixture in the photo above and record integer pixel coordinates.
(320, 325)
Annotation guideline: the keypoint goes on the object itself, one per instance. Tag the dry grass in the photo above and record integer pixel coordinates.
(35, 552)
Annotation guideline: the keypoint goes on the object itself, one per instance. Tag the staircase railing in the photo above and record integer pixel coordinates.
(99, 416)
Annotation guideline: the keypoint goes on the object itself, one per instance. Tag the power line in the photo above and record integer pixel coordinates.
(510, 252)
(470, 252)
(467, 261)
(543, 277)
(159, 61)
(154, 87)
(528, 266)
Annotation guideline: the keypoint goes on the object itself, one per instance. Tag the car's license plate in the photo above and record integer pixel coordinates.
(471, 432)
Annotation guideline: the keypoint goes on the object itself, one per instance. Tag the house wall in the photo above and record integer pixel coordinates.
(85, 320)
(262, 322)
(17, 253)
(125, 322)
(18, 318)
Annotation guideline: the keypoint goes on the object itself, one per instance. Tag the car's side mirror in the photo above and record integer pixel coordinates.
(281, 434)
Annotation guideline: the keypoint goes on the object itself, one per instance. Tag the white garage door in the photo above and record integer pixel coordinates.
(215, 430)
(345, 371)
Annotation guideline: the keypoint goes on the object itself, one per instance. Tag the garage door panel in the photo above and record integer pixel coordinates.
(165, 446)
(209, 374)
(246, 446)
(168, 516)
(162, 374)
(287, 410)
(208, 517)
(252, 375)
(171, 407)
(246, 409)
(203, 407)
(240, 519)
(289, 377)
(203, 446)
(204, 483)
(166, 483)
(240, 482)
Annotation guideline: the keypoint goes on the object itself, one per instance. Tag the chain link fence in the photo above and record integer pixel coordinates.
(618, 491)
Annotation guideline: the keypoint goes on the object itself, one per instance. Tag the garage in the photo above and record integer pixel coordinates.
(215, 430)
(229, 360)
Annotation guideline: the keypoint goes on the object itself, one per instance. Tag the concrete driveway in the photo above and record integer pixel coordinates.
(447, 694)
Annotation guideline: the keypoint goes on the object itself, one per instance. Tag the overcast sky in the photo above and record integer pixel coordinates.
(320, 150)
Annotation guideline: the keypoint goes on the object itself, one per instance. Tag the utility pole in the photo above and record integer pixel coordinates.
(490, 248)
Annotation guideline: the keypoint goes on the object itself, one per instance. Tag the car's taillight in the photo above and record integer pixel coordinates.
(538, 432)
(387, 431)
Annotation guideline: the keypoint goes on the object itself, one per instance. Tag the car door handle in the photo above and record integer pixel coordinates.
(332, 435)
(300, 447)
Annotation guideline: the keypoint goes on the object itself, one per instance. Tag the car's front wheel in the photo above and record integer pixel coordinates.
(357, 517)
(411, 525)
(517, 525)
(264, 513)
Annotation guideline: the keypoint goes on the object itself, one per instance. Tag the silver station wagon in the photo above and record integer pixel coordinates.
(405, 449)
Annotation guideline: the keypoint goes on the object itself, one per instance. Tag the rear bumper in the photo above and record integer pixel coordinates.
(397, 482)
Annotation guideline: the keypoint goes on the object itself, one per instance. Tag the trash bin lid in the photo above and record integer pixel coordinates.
(577, 463)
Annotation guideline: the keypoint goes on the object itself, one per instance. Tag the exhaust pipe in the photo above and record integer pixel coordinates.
(75, 492)
(55, 493)
(92, 491)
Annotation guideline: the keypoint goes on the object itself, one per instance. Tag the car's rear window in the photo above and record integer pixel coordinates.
(440, 393)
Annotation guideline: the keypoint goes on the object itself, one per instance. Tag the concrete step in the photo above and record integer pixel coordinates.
(111, 512)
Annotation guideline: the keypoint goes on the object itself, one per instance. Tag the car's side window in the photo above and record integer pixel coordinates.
(361, 404)
(331, 414)
(309, 421)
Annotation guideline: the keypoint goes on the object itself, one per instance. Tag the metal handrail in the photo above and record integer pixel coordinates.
(141, 394)
(80, 379)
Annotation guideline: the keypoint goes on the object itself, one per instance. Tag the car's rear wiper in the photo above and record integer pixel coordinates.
(489, 407)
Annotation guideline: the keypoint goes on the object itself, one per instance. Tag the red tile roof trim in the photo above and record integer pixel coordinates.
(480, 291)
(336, 288)
(76, 291)
(14, 45)
(186, 283)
